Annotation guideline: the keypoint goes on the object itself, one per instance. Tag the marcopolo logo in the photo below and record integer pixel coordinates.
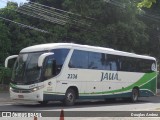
(153, 67)
(109, 76)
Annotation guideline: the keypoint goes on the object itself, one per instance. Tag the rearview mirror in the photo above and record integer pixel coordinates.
(8, 58)
(42, 58)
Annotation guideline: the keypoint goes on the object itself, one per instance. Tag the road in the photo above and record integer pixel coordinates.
(96, 109)
(150, 103)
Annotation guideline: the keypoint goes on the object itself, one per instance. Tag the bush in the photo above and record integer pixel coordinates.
(5, 75)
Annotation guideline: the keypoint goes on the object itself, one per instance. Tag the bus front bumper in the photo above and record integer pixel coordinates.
(32, 96)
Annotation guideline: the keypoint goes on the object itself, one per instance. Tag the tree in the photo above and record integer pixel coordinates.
(151, 18)
(115, 25)
(109, 24)
(5, 43)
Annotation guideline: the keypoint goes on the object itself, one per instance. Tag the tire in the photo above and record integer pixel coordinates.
(135, 95)
(70, 97)
(43, 102)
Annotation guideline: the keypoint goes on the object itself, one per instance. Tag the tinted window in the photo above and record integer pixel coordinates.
(48, 73)
(101, 61)
(127, 64)
(97, 61)
(135, 64)
(60, 56)
(112, 62)
(146, 65)
(79, 59)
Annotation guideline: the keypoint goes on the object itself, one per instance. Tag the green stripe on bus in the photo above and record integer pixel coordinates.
(150, 85)
(13, 86)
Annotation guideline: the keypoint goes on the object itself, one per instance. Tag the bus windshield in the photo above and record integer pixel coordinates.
(26, 68)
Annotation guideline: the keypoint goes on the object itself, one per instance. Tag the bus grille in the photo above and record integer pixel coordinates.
(21, 91)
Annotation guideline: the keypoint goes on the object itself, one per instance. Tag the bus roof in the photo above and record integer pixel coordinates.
(50, 46)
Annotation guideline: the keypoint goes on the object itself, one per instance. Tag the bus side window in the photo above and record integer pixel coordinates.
(60, 56)
(50, 69)
(97, 61)
(112, 62)
(79, 59)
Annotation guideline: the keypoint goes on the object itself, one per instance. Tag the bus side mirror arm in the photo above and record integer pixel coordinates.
(42, 58)
(8, 58)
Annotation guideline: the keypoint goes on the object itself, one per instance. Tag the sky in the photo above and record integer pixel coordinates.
(4, 2)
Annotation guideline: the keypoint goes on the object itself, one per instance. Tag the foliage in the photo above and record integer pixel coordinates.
(151, 19)
(5, 74)
(113, 27)
(146, 3)
(5, 43)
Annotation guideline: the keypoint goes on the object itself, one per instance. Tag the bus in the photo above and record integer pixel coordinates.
(67, 72)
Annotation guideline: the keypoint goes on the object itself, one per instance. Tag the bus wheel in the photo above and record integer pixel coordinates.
(135, 95)
(70, 97)
(43, 102)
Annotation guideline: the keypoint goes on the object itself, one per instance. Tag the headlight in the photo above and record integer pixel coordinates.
(10, 88)
(37, 88)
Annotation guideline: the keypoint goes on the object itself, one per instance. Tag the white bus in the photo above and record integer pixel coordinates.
(67, 72)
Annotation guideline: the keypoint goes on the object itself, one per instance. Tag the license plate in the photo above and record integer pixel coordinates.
(20, 96)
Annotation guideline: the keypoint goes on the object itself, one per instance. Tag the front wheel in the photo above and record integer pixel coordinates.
(135, 95)
(70, 97)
